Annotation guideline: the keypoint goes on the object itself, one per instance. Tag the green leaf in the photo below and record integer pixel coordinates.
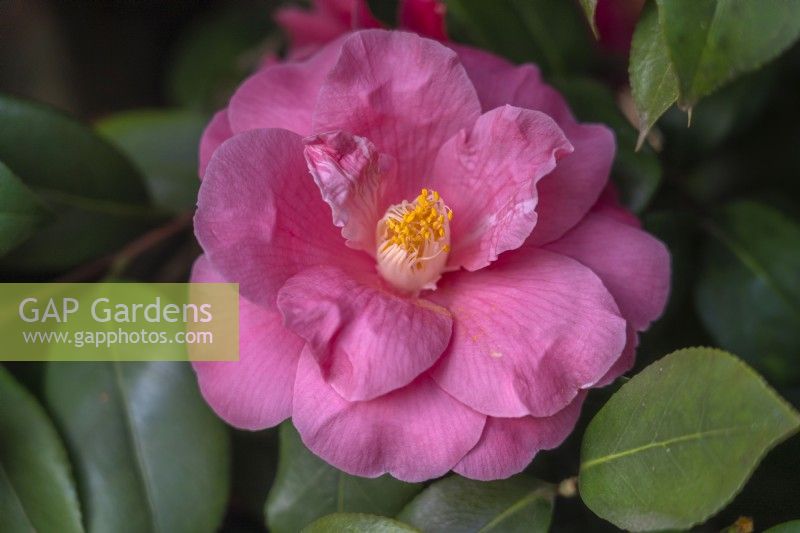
(589, 7)
(747, 293)
(98, 196)
(713, 41)
(163, 144)
(51, 151)
(786, 527)
(637, 174)
(679, 440)
(81, 231)
(36, 488)
(216, 52)
(456, 504)
(652, 77)
(357, 523)
(307, 488)
(149, 454)
(550, 33)
(770, 495)
(21, 211)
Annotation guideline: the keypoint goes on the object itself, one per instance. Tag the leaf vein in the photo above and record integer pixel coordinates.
(721, 432)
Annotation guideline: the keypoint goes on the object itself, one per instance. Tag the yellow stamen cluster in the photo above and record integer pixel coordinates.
(412, 226)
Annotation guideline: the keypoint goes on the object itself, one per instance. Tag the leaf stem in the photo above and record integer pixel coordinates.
(116, 263)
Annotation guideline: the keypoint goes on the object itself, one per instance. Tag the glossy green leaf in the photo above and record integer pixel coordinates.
(550, 33)
(679, 440)
(81, 231)
(307, 488)
(652, 77)
(21, 211)
(456, 504)
(97, 195)
(149, 454)
(589, 7)
(163, 144)
(770, 496)
(357, 523)
(748, 294)
(713, 41)
(37, 492)
(51, 151)
(786, 527)
(637, 174)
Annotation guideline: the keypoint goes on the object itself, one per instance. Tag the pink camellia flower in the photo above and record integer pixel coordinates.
(310, 30)
(432, 268)
(616, 20)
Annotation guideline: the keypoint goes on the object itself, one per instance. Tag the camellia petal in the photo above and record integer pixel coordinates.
(350, 173)
(625, 361)
(425, 17)
(609, 205)
(488, 176)
(366, 340)
(633, 264)
(260, 217)
(499, 82)
(310, 30)
(408, 104)
(616, 20)
(415, 433)
(282, 95)
(217, 132)
(529, 332)
(456, 277)
(254, 392)
(508, 445)
(568, 193)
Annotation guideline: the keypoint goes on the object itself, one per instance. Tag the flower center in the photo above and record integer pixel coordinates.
(413, 240)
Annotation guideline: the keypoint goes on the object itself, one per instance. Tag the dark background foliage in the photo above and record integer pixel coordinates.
(724, 194)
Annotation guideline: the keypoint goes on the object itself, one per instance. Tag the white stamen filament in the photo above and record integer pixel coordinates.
(413, 240)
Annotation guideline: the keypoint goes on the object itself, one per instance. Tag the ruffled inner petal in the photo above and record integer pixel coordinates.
(568, 193)
(261, 219)
(489, 176)
(351, 175)
(406, 94)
